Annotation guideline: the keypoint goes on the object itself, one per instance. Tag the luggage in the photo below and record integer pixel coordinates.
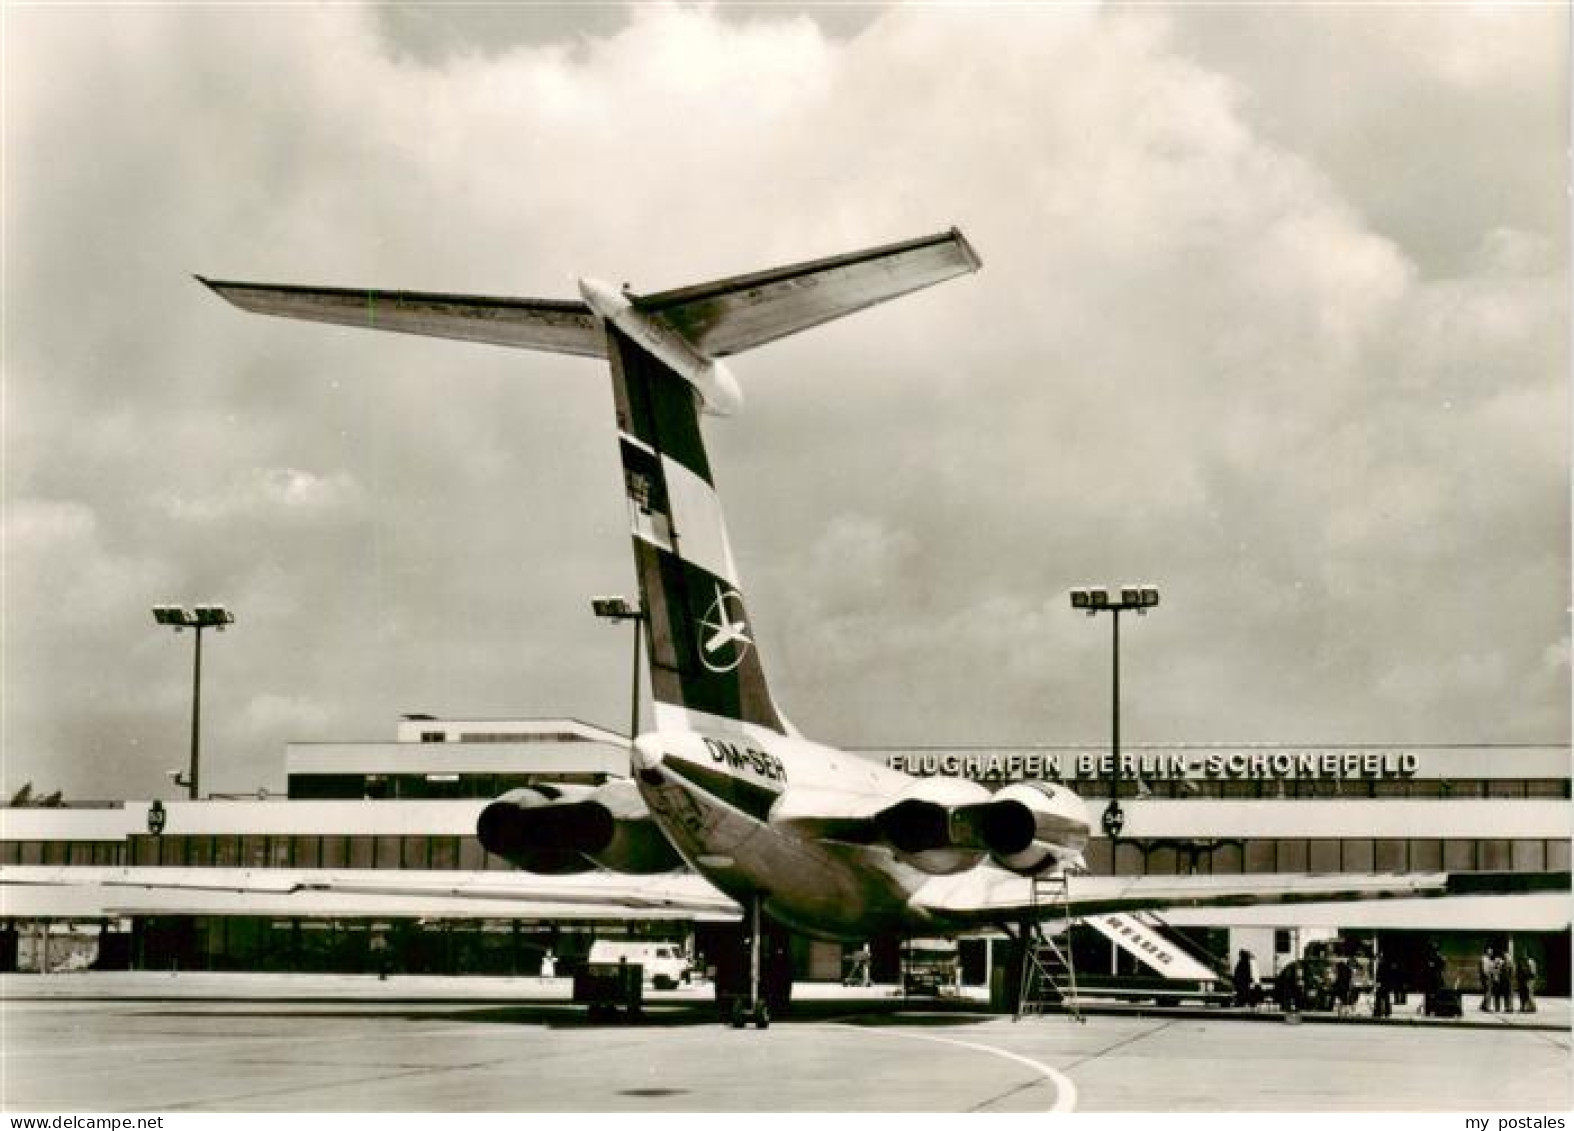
(1443, 1003)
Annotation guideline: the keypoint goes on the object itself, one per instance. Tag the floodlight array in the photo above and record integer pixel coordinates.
(202, 616)
(614, 608)
(1138, 597)
(214, 616)
(170, 615)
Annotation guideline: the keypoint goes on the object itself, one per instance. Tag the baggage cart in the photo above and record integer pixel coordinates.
(608, 987)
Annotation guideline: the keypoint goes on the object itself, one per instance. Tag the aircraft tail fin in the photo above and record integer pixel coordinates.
(704, 666)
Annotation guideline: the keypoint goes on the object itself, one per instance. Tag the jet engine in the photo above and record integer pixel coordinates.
(557, 830)
(1034, 826)
(507, 829)
(947, 825)
(920, 827)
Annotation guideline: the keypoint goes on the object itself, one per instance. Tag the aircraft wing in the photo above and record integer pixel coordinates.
(285, 891)
(523, 323)
(989, 895)
(684, 894)
(732, 315)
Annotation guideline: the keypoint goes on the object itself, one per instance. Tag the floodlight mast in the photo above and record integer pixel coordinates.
(1139, 599)
(620, 609)
(196, 619)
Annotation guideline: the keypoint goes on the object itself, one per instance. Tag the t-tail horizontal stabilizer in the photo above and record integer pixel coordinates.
(687, 329)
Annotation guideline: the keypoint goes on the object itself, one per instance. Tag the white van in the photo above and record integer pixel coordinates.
(664, 962)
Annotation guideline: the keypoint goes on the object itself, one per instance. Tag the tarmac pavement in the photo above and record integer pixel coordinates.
(1551, 1015)
(119, 1042)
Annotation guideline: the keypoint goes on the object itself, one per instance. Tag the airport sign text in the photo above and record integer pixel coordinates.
(1211, 765)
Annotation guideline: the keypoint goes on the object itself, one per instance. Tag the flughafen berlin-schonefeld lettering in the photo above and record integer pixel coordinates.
(1280, 764)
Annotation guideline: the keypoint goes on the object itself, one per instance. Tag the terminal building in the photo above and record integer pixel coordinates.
(75, 878)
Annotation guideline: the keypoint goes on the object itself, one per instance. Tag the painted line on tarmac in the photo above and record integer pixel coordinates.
(1158, 1027)
(1065, 1090)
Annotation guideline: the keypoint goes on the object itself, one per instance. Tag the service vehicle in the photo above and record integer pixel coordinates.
(664, 963)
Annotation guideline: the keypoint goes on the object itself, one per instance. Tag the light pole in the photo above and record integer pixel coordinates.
(1129, 598)
(620, 609)
(197, 619)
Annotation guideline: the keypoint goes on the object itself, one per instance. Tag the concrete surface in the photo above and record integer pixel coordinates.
(216, 1042)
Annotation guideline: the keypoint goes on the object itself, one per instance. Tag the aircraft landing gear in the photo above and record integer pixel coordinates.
(753, 965)
(741, 1015)
(757, 1006)
(748, 1001)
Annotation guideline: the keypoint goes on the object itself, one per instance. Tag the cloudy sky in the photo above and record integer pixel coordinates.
(1273, 313)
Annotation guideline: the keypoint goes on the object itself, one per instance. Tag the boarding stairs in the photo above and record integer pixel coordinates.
(1049, 974)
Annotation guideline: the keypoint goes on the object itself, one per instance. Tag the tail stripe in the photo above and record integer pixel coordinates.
(700, 533)
(655, 406)
(675, 510)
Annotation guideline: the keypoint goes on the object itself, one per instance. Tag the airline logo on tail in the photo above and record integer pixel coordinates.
(724, 632)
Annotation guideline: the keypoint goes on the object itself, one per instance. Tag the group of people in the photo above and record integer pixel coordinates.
(1332, 983)
(1381, 977)
(1336, 982)
(1501, 976)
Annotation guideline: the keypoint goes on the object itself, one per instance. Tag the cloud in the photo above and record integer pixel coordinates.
(301, 717)
(284, 493)
(1272, 314)
(58, 562)
(1433, 129)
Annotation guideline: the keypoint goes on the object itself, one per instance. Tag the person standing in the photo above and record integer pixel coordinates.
(381, 958)
(1382, 1000)
(1488, 971)
(1343, 982)
(1287, 987)
(1435, 983)
(1503, 982)
(1527, 984)
(858, 968)
(1245, 979)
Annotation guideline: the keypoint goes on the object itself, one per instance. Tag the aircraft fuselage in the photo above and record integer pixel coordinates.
(720, 798)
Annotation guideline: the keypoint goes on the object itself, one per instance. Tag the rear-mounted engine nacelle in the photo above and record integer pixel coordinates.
(578, 829)
(510, 827)
(945, 826)
(1035, 826)
(919, 827)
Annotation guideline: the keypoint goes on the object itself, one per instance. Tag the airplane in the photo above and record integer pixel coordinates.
(815, 839)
